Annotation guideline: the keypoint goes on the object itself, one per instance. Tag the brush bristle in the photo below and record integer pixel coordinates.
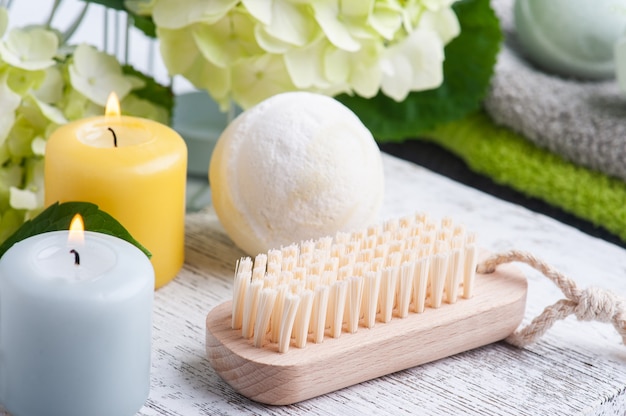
(321, 288)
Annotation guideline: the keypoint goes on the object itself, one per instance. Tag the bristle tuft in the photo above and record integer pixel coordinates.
(288, 316)
(267, 299)
(321, 288)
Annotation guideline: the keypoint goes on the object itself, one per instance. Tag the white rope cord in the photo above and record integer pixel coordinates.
(587, 305)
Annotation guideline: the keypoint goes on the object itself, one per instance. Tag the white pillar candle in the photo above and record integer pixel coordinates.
(75, 339)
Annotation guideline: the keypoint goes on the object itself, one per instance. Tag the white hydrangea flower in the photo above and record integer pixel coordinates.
(38, 146)
(9, 102)
(144, 108)
(182, 57)
(75, 104)
(51, 89)
(269, 43)
(356, 9)
(22, 198)
(327, 16)
(330, 70)
(282, 25)
(10, 175)
(34, 181)
(436, 4)
(51, 113)
(95, 74)
(365, 69)
(289, 22)
(415, 64)
(136, 83)
(19, 139)
(36, 97)
(30, 49)
(178, 49)
(328, 46)
(442, 21)
(260, 10)
(260, 78)
(386, 19)
(227, 41)
(336, 64)
(174, 14)
(217, 81)
(140, 7)
(306, 65)
(92, 109)
(4, 20)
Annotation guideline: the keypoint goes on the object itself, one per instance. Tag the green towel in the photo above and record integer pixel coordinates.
(510, 159)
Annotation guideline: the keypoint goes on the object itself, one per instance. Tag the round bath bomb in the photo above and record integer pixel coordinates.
(571, 37)
(297, 166)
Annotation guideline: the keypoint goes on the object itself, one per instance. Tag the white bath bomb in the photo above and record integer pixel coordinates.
(297, 166)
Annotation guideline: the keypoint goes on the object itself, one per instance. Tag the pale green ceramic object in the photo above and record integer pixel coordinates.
(573, 38)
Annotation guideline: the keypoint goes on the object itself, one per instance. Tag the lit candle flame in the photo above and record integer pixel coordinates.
(77, 230)
(112, 108)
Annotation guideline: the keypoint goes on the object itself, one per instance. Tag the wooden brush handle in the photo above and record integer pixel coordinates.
(266, 376)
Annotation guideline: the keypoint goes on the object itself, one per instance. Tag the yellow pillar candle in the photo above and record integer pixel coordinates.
(134, 169)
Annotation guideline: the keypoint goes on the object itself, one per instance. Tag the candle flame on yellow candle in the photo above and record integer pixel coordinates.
(112, 108)
(77, 230)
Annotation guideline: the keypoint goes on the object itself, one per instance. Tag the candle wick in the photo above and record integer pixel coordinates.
(114, 136)
(76, 257)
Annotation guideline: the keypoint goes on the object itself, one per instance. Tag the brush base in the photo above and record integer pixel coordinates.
(266, 376)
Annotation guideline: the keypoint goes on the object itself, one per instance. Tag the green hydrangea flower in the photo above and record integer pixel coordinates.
(4, 20)
(30, 49)
(96, 74)
(357, 47)
(43, 85)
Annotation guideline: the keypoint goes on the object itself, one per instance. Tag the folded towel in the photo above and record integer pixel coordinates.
(510, 159)
(585, 122)
(560, 140)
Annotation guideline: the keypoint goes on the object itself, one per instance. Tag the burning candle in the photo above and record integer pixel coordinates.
(75, 325)
(135, 169)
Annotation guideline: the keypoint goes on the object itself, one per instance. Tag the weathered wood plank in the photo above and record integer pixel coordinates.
(578, 368)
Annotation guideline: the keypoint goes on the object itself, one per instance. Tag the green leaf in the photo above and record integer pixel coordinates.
(111, 4)
(469, 64)
(143, 23)
(152, 91)
(58, 217)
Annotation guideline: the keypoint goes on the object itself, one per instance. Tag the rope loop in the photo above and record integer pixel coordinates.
(595, 304)
(591, 304)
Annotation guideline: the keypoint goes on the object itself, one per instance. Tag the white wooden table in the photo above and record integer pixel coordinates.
(578, 368)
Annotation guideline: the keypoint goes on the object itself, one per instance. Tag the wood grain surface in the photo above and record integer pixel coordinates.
(577, 368)
(494, 311)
